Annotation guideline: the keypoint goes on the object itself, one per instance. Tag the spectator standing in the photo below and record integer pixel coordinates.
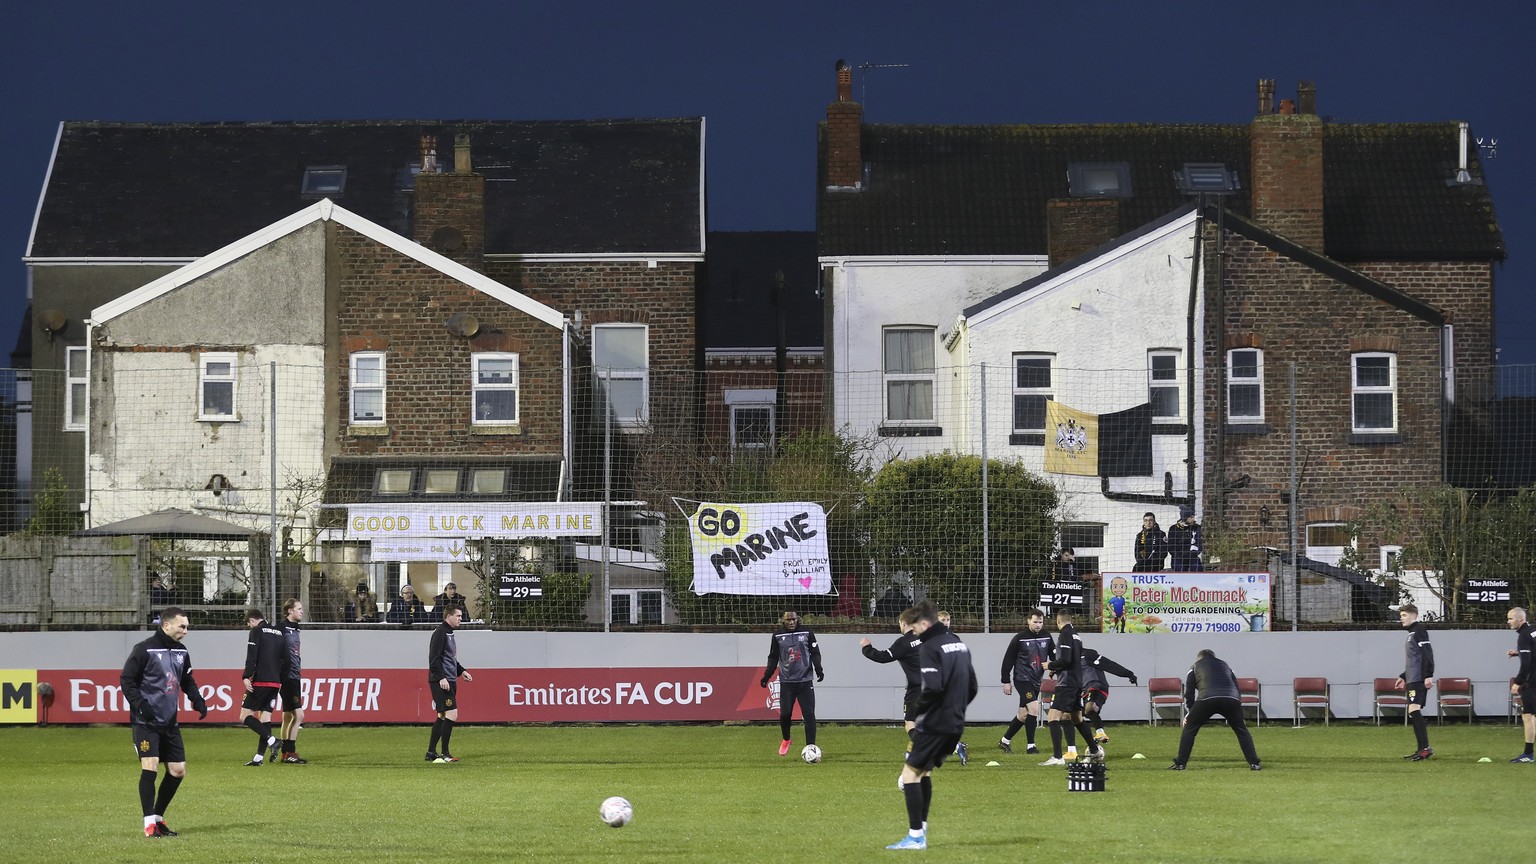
(1066, 564)
(794, 653)
(1210, 690)
(157, 673)
(1524, 684)
(1023, 671)
(1186, 541)
(1417, 677)
(1151, 546)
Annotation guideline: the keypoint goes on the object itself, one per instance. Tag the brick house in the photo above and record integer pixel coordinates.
(1363, 252)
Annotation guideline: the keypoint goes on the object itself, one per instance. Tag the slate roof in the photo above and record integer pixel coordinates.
(738, 309)
(982, 190)
(184, 190)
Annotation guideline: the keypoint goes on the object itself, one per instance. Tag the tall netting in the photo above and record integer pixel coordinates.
(1356, 486)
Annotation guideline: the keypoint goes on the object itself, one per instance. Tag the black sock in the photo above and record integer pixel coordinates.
(167, 792)
(147, 792)
(1055, 727)
(1013, 729)
(1069, 729)
(927, 786)
(1093, 717)
(290, 745)
(1420, 729)
(437, 733)
(913, 792)
(810, 731)
(1088, 742)
(1030, 722)
(447, 733)
(1528, 748)
(262, 731)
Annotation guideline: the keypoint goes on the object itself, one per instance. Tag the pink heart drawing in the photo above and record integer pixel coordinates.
(805, 581)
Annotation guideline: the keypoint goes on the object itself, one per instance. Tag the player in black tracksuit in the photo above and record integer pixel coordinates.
(904, 652)
(1066, 703)
(795, 654)
(266, 665)
(1418, 676)
(949, 685)
(155, 677)
(1216, 686)
(292, 692)
(1096, 689)
(443, 674)
(1023, 668)
(1524, 683)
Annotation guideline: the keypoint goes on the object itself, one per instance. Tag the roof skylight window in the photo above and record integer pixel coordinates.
(324, 181)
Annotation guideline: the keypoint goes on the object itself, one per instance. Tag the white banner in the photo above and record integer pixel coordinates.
(420, 549)
(773, 549)
(498, 519)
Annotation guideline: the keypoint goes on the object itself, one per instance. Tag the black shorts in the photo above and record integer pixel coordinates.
(1528, 700)
(444, 701)
(1067, 700)
(1029, 691)
(293, 694)
(259, 699)
(160, 742)
(1417, 693)
(930, 750)
(909, 703)
(1095, 697)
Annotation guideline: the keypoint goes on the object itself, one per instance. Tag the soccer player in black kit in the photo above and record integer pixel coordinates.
(1066, 703)
(903, 651)
(948, 686)
(266, 664)
(795, 654)
(293, 685)
(443, 674)
(1023, 667)
(158, 672)
(1418, 676)
(1096, 689)
(1211, 690)
(1524, 683)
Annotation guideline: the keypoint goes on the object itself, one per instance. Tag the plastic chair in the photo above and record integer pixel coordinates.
(1311, 693)
(1454, 694)
(1248, 694)
(1386, 697)
(1163, 694)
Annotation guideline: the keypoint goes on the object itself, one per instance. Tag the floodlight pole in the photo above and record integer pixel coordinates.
(986, 533)
(1295, 554)
(607, 611)
(272, 495)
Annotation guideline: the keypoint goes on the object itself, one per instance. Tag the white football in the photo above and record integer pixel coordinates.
(616, 812)
(811, 753)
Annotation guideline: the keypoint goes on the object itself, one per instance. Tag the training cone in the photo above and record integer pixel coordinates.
(1485, 759)
(1138, 756)
(993, 764)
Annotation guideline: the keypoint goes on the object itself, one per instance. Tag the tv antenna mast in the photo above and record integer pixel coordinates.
(864, 78)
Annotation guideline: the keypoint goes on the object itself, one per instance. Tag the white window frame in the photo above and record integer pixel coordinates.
(204, 378)
(1326, 554)
(931, 376)
(1391, 558)
(73, 381)
(1176, 384)
(1357, 390)
(756, 399)
(353, 388)
(1256, 381)
(477, 387)
(642, 374)
(1048, 391)
(634, 604)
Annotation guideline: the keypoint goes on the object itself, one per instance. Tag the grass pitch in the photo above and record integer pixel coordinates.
(722, 794)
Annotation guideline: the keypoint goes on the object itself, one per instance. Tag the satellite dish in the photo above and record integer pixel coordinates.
(463, 324)
(52, 321)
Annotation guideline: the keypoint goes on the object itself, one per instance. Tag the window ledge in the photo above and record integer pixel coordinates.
(215, 419)
(911, 431)
(1248, 429)
(1375, 438)
(1027, 439)
(496, 429)
(379, 431)
(1170, 429)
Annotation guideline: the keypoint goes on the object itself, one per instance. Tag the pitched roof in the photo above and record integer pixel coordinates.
(982, 190)
(181, 190)
(738, 309)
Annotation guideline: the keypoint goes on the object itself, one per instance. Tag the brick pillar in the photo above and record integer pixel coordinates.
(1075, 225)
(450, 216)
(845, 122)
(1287, 174)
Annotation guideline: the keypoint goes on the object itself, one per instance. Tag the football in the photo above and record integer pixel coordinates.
(616, 812)
(811, 753)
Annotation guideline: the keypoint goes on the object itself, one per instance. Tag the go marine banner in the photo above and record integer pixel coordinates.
(1172, 602)
(774, 549)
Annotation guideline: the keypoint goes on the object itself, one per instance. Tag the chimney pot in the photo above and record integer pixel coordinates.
(461, 163)
(1287, 106)
(428, 154)
(1306, 97)
(844, 82)
(1266, 96)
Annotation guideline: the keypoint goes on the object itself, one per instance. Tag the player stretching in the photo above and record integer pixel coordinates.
(903, 651)
(266, 664)
(443, 673)
(1524, 683)
(1418, 676)
(1023, 665)
(158, 672)
(1096, 689)
(1066, 704)
(949, 685)
(293, 690)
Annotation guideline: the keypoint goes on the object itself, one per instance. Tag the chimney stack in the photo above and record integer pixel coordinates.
(1266, 96)
(1306, 98)
(1287, 169)
(1076, 225)
(845, 125)
(461, 163)
(448, 212)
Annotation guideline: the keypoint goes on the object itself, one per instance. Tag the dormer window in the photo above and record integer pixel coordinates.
(324, 181)
(1099, 179)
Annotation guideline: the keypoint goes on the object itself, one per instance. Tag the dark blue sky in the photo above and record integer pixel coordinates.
(762, 77)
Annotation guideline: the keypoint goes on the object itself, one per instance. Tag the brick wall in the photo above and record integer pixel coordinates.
(393, 303)
(845, 120)
(449, 216)
(1287, 174)
(1075, 225)
(802, 403)
(1294, 313)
